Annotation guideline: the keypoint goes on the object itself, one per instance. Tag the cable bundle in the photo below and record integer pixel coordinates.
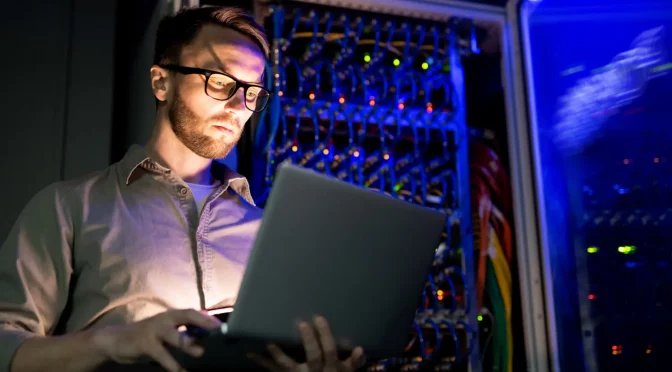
(493, 240)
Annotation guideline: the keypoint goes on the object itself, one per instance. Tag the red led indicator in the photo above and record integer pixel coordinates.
(617, 350)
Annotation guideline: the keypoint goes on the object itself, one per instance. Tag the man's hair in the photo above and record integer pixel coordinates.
(179, 30)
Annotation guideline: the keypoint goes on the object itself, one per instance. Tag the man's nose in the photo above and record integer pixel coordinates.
(237, 101)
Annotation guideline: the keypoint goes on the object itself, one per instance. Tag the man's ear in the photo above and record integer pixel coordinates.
(160, 82)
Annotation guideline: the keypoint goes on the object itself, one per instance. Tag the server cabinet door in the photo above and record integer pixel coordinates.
(598, 86)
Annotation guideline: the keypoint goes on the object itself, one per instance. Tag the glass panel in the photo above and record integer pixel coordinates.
(601, 108)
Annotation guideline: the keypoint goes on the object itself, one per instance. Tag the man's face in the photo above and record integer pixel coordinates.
(208, 127)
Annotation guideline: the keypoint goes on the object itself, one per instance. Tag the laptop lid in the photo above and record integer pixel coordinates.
(357, 257)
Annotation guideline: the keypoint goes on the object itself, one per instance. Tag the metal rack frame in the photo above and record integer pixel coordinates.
(428, 9)
(540, 346)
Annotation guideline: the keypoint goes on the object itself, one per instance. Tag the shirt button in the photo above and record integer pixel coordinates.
(184, 191)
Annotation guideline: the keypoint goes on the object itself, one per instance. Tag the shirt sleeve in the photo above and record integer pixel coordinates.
(35, 270)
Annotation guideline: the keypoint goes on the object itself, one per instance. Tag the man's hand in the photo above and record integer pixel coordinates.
(131, 343)
(321, 356)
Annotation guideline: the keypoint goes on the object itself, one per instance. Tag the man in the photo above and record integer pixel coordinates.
(100, 269)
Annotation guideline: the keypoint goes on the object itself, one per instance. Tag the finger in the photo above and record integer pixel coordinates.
(358, 358)
(313, 351)
(189, 346)
(163, 357)
(264, 362)
(182, 342)
(355, 361)
(281, 358)
(195, 351)
(195, 318)
(327, 340)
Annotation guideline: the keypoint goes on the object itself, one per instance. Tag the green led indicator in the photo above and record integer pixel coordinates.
(480, 318)
(627, 249)
(425, 65)
(593, 249)
(396, 62)
(367, 58)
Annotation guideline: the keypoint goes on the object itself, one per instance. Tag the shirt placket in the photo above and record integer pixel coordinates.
(203, 245)
(190, 212)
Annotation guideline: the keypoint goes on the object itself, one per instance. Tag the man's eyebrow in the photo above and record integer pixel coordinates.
(216, 67)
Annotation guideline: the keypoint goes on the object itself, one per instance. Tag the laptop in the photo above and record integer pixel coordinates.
(357, 257)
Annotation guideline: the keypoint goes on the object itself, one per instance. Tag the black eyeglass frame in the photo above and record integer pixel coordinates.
(184, 70)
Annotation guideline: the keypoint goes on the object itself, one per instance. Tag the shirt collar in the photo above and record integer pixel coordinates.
(138, 157)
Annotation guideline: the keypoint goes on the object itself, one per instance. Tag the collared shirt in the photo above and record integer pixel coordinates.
(119, 246)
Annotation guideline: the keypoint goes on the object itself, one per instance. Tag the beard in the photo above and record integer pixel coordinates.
(191, 131)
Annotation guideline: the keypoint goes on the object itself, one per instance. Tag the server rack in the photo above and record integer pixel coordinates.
(367, 115)
(264, 132)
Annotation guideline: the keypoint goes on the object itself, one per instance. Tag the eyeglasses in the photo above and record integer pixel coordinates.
(222, 86)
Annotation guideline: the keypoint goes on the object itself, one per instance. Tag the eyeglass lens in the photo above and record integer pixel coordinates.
(222, 87)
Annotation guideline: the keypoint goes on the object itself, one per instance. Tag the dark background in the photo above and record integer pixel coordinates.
(75, 90)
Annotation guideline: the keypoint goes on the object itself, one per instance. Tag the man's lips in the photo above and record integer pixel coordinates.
(225, 128)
